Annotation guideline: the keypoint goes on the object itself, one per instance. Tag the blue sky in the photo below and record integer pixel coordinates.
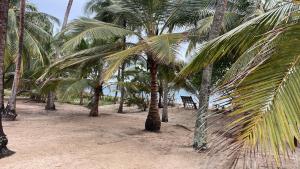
(57, 8)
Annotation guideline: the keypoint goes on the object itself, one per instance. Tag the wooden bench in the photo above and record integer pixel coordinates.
(188, 102)
(219, 107)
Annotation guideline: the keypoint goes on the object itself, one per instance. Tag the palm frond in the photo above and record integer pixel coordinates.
(266, 100)
(90, 29)
(243, 36)
(117, 59)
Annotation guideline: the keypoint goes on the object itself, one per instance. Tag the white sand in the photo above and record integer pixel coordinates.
(69, 139)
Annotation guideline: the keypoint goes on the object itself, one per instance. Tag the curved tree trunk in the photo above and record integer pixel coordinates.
(122, 89)
(97, 91)
(200, 135)
(164, 117)
(4, 151)
(11, 106)
(153, 120)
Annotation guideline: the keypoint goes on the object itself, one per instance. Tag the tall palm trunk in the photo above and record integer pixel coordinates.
(153, 120)
(50, 105)
(97, 91)
(67, 13)
(4, 151)
(200, 135)
(160, 96)
(117, 87)
(122, 89)
(95, 103)
(11, 106)
(81, 97)
(164, 117)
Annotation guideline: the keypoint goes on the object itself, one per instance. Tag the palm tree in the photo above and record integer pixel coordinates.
(164, 116)
(99, 7)
(50, 104)
(158, 46)
(81, 69)
(122, 89)
(222, 21)
(11, 106)
(166, 75)
(200, 141)
(36, 34)
(67, 13)
(98, 89)
(4, 151)
(262, 85)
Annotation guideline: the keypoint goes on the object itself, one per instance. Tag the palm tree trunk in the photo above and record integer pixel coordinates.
(121, 105)
(81, 97)
(67, 13)
(4, 151)
(122, 88)
(50, 105)
(11, 106)
(200, 135)
(164, 117)
(94, 109)
(97, 91)
(153, 120)
(160, 92)
(117, 87)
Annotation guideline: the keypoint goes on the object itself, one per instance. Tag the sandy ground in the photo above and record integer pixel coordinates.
(69, 139)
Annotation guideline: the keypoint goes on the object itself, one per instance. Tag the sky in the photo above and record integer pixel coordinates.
(57, 8)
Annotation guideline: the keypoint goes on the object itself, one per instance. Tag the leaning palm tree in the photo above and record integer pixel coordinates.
(67, 13)
(261, 87)
(227, 15)
(50, 104)
(4, 151)
(11, 112)
(84, 64)
(33, 34)
(99, 8)
(159, 47)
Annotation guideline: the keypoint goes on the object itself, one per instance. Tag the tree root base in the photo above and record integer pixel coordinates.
(94, 114)
(5, 152)
(9, 115)
(165, 120)
(50, 108)
(152, 125)
(200, 148)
